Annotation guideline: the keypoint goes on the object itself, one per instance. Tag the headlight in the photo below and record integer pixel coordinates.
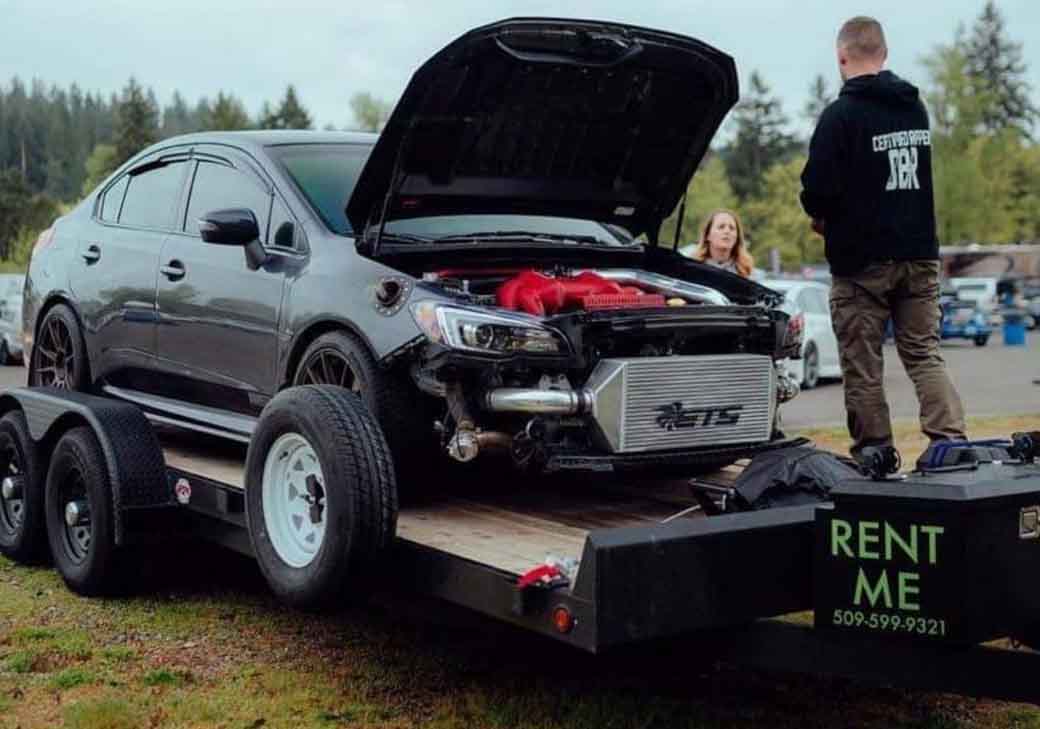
(484, 332)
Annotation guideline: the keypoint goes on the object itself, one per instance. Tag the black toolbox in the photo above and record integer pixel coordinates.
(951, 555)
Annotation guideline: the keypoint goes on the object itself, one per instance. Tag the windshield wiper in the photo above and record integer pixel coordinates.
(405, 238)
(521, 235)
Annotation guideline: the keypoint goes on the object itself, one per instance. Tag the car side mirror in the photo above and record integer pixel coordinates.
(234, 227)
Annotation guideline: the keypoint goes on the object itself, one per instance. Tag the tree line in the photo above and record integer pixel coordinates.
(985, 160)
(58, 144)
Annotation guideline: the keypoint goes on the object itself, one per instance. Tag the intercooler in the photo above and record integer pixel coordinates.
(659, 403)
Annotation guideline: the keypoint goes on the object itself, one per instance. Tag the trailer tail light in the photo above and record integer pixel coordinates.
(562, 619)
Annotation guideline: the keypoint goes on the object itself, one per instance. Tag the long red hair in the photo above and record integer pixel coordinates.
(743, 260)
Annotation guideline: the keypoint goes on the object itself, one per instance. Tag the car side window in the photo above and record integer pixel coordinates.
(152, 195)
(283, 226)
(220, 187)
(114, 200)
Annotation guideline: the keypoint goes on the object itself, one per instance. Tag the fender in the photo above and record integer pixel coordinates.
(133, 456)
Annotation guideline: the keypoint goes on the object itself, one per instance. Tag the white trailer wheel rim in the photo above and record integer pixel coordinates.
(294, 515)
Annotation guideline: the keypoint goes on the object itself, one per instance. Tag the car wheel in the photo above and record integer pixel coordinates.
(5, 353)
(343, 360)
(321, 500)
(980, 341)
(59, 354)
(79, 514)
(23, 535)
(811, 362)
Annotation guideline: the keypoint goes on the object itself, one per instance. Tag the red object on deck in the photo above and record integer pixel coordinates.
(538, 294)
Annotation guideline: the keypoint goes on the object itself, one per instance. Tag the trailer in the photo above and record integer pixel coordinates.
(910, 580)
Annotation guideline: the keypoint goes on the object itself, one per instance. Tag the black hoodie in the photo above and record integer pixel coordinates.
(869, 175)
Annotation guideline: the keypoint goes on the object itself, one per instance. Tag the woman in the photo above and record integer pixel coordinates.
(722, 244)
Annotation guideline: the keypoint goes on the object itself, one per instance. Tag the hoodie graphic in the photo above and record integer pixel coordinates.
(869, 175)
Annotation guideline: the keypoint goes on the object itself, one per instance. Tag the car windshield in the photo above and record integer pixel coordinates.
(327, 173)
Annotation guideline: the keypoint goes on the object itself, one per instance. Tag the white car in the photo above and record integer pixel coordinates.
(980, 289)
(810, 300)
(11, 285)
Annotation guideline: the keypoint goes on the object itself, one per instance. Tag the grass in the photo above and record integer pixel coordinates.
(212, 648)
(911, 442)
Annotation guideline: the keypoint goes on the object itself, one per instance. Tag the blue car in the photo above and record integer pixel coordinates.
(964, 320)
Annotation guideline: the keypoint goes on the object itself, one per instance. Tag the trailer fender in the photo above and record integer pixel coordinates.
(133, 456)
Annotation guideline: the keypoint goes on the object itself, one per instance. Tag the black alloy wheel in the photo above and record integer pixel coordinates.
(59, 356)
(328, 366)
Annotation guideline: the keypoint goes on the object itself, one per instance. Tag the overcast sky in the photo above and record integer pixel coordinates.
(331, 50)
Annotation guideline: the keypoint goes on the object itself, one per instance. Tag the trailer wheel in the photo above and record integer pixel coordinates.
(23, 535)
(80, 515)
(321, 500)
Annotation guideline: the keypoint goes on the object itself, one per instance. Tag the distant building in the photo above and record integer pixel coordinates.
(986, 260)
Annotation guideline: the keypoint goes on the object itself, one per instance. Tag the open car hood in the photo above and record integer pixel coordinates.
(567, 118)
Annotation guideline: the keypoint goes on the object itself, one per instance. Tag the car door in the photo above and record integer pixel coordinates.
(218, 317)
(828, 342)
(113, 277)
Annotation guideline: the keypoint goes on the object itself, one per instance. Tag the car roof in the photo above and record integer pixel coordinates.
(272, 138)
(789, 284)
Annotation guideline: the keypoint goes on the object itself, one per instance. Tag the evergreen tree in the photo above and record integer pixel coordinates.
(709, 190)
(290, 113)
(820, 98)
(370, 113)
(137, 122)
(761, 140)
(996, 69)
(228, 114)
(177, 118)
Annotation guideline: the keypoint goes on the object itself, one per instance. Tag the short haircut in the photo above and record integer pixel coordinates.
(862, 38)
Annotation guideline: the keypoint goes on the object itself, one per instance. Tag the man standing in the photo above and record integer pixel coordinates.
(868, 188)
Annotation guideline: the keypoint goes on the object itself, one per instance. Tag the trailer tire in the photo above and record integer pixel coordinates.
(23, 529)
(84, 552)
(321, 499)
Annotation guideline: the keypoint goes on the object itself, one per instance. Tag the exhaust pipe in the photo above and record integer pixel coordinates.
(538, 402)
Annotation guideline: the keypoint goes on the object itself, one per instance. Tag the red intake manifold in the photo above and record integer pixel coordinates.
(538, 294)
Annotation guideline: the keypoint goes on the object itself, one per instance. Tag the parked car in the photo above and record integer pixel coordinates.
(964, 319)
(11, 285)
(819, 359)
(980, 289)
(473, 273)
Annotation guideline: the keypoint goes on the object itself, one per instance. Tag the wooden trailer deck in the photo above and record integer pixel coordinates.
(507, 523)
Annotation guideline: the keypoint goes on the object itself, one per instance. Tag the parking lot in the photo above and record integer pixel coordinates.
(992, 380)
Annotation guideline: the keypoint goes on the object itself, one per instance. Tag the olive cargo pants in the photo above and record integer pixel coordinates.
(908, 292)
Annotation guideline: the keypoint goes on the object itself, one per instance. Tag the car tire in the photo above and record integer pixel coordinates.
(811, 367)
(321, 500)
(23, 530)
(981, 340)
(403, 413)
(59, 356)
(5, 353)
(85, 552)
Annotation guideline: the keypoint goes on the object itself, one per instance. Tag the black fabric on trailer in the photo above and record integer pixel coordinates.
(791, 476)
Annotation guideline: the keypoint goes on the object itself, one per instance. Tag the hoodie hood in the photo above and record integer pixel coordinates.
(884, 86)
(538, 116)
